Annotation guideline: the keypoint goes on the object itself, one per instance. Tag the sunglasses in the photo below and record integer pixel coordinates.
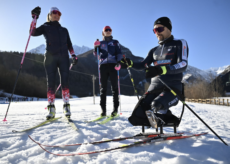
(106, 30)
(56, 12)
(159, 29)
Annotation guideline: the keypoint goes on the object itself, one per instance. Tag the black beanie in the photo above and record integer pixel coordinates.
(165, 21)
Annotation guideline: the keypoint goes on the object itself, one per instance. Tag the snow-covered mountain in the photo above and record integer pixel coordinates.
(77, 49)
(193, 73)
(38, 50)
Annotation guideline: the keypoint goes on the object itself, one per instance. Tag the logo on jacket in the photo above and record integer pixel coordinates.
(110, 44)
(103, 45)
(173, 101)
(170, 48)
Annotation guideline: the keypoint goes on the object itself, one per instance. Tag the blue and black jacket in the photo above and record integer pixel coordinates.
(109, 51)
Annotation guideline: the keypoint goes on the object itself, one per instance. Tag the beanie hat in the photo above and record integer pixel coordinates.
(165, 21)
(52, 9)
(106, 27)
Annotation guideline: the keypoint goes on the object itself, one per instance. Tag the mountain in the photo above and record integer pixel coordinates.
(77, 49)
(192, 74)
(38, 50)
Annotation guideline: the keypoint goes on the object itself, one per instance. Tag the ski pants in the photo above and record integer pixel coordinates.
(54, 63)
(155, 95)
(107, 70)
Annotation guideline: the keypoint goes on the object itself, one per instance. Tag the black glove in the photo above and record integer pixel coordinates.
(75, 59)
(36, 12)
(124, 64)
(153, 71)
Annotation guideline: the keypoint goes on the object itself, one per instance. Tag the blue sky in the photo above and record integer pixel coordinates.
(204, 24)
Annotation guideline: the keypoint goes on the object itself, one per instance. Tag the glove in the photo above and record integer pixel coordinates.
(36, 12)
(97, 43)
(75, 59)
(153, 71)
(117, 67)
(124, 64)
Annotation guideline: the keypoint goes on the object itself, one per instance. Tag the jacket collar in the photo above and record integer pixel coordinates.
(107, 38)
(166, 40)
(54, 23)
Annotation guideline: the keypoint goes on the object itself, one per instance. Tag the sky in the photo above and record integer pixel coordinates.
(204, 24)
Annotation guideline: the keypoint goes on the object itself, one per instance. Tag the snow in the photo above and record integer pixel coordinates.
(217, 70)
(17, 148)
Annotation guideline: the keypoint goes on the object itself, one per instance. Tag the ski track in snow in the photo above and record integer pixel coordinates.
(17, 148)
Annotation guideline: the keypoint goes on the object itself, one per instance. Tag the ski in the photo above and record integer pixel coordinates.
(108, 119)
(36, 126)
(138, 136)
(97, 119)
(71, 123)
(158, 138)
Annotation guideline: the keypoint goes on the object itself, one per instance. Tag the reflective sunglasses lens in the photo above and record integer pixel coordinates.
(108, 30)
(159, 29)
(56, 12)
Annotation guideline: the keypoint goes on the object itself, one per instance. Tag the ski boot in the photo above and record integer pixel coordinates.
(66, 110)
(114, 112)
(103, 111)
(153, 119)
(52, 111)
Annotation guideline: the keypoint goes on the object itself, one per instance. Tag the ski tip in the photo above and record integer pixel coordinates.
(120, 113)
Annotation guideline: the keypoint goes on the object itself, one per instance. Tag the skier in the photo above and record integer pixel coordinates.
(110, 56)
(56, 57)
(170, 61)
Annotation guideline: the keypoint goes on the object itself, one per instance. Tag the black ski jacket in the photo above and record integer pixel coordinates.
(57, 38)
(172, 53)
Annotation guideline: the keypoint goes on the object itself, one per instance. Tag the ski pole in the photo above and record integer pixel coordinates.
(131, 77)
(174, 93)
(99, 74)
(60, 84)
(23, 57)
(118, 77)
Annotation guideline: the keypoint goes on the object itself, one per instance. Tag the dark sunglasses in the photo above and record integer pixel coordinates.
(158, 29)
(56, 12)
(108, 30)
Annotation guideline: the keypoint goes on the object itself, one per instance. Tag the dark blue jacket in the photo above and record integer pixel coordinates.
(109, 51)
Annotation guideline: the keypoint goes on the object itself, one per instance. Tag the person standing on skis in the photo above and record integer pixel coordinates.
(170, 60)
(58, 44)
(109, 57)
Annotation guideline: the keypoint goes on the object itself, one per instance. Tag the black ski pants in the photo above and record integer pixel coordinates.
(54, 63)
(106, 71)
(156, 94)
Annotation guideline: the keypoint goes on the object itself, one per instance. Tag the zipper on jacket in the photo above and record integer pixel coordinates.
(162, 49)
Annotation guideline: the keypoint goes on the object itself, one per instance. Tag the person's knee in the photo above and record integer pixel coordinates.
(157, 105)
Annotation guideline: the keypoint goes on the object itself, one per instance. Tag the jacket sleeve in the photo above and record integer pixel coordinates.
(182, 59)
(69, 44)
(118, 52)
(37, 31)
(148, 60)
